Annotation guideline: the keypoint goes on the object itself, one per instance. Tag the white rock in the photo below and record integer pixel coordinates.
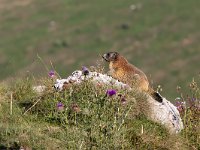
(166, 114)
(78, 77)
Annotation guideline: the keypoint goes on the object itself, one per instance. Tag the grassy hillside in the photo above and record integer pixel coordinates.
(160, 37)
(86, 117)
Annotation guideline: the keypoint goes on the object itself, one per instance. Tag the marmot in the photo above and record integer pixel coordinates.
(125, 72)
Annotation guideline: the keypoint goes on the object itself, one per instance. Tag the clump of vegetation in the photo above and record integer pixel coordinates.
(84, 116)
(189, 108)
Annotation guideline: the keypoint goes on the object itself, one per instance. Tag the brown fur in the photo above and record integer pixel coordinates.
(125, 72)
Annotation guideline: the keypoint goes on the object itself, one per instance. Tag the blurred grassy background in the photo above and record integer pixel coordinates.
(160, 37)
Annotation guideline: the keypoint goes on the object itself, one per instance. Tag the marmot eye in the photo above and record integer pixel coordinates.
(108, 54)
(114, 55)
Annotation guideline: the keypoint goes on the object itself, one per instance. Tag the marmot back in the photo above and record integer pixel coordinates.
(125, 72)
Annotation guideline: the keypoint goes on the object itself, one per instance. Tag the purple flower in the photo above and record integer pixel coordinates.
(180, 105)
(193, 99)
(60, 106)
(85, 70)
(51, 73)
(75, 107)
(123, 101)
(111, 92)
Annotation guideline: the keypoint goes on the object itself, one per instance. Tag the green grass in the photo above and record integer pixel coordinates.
(90, 119)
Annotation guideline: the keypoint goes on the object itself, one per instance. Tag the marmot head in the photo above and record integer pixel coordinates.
(110, 56)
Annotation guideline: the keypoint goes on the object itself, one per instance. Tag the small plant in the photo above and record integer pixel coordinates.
(189, 108)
